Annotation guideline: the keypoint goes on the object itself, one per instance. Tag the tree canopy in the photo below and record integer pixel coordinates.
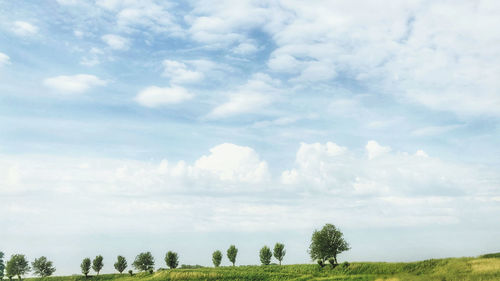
(17, 266)
(43, 267)
(97, 264)
(217, 258)
(265, 255)
(85, 266)
(232, 252)
(327, 243)
(144, 261)
(120, 264)
(172, 259)
(279, 252)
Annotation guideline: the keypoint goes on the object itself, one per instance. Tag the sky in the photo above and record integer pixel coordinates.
(132, 126)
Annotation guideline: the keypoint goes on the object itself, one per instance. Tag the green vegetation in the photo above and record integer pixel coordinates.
(43, 267)
(2, 265)
(279, 252)
(144, 262)
(232, 252)
(120, 264)
(326, 244)
(450, 269)
(85, 266)
(97, 264)
(17, 266)
(265, 255)
(217, 258)
(171, 259)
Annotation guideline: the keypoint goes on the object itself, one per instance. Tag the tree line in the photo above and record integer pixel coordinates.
(325, 245)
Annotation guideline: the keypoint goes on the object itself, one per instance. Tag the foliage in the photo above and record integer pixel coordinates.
(489, 256)
(97, 264)
(232, 252)
(17, 266)
(144, 261)
(2, 265)
(327, 243)
(189, 266)
(43, 267)
(130, 272)
(217, 258)
(85, 266)
(120, 264)
(171, 259)
(265, 255)
(279, 252)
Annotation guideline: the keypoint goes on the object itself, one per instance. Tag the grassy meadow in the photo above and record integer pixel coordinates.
(486, 267)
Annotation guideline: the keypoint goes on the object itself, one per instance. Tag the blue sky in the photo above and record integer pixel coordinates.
(128, 126)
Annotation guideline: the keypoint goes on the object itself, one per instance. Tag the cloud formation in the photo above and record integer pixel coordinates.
(73, 84)
(154, 96)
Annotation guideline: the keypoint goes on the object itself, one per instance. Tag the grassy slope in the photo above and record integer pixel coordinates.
(482, 268)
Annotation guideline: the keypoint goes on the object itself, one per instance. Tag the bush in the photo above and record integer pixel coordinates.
(131, 272)
(345, 265)
(320, 263)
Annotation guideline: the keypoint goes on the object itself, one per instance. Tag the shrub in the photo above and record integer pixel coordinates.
(320, 263)
(130, 272)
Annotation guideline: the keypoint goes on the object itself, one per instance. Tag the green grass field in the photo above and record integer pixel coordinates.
(486, 267)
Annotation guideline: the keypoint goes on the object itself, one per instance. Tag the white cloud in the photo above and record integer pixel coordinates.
(434, 130)
(116, 42)
(256, 94)
(232, 162)
(154, 96)
(4, 59)
(178, 72)
(374, 149)
(23, 28)
(74, 84)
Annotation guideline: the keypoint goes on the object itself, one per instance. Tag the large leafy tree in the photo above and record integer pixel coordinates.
(217, 258)
(17, 266)
(327, 243)
(144, 262)
(232, 252)
(265, 255)
(43, 267)
(279, 252)
(172, 259)
(85, 266)
(2, 265)
(97, 264)
(120, 264)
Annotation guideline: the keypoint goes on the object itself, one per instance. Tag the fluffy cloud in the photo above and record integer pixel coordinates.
(23, 28)
(116, 42)
(233, 162)
(75, 84)
(256, 94)
(4, 59)
(374, 149)
(179, 72)
(156, 96)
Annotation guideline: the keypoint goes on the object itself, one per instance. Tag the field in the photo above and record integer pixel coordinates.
(486, 267)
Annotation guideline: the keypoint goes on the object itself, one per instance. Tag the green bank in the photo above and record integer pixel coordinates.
(486, 267)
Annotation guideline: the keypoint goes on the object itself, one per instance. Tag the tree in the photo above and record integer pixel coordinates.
(265, 255)
(17, 265)
(120, 264)
(43, 267)
(2, 265)
(279, 251)
(217, 258)
(327, 243)
(144, 262)
(97, 264)
(171, 259)
(232, 252)
(85, 266)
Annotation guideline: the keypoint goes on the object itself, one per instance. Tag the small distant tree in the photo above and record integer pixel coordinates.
(279, 252)
(232, 252)
(17, 266)
(97, 264)
(144, 261)
(327, 243)
(217, 258)
(171, 259)
(85, 266)
(265, 255)
(43, 267)
(120, 264)
(130, 272)
(2, 266)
